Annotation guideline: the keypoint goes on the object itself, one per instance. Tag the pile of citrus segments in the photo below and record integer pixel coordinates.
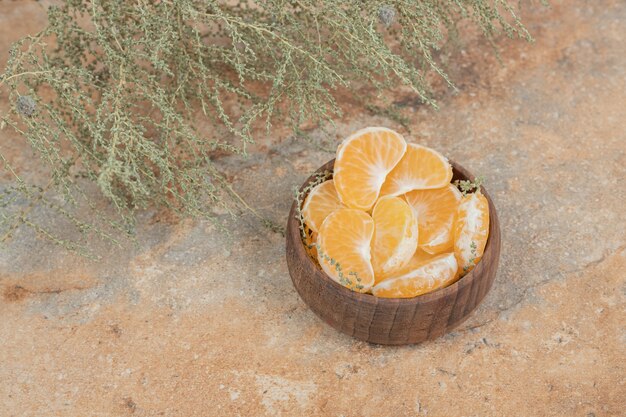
(389, 222)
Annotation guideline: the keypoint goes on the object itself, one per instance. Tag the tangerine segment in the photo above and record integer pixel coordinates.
(362, 164)
(436, 273)
(420, 168)
(419, 258)
(343, 244)
(319, 203)
(471, 230)
(395, 235)
(436, 211)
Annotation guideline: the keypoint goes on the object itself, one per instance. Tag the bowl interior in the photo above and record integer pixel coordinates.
(459, 173)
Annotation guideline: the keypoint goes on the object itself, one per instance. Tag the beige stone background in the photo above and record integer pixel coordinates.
(196, 323)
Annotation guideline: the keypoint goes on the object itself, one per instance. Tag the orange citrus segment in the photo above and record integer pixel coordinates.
(319, 203)
(395, 235)
(419, 257)
(436, 211)
(344, 248)
(420, 168)
(363, 161)
(435, 273)
(471, 230)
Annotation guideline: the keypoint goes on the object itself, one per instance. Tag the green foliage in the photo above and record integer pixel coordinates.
(139, 97)
(472, 260)
(349, 280)
(468, 187)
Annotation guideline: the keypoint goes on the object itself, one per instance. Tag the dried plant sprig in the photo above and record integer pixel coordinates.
(467, 187)
(354, 283)
(120, 93)
(472, 260)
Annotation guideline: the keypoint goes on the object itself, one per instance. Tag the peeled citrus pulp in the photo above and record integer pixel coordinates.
(362, 164)
(395, 235)
(471, 230)
(436, 212)
(343, 248)
(419, 258)
(390, 222)
(435, 273)
(319, 203)
(420, 168)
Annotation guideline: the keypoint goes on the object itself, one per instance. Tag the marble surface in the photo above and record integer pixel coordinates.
(193, 322)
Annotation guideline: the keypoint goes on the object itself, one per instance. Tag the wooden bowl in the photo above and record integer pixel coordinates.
(392, 321)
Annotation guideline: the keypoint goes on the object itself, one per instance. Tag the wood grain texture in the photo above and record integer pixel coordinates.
(392, 321)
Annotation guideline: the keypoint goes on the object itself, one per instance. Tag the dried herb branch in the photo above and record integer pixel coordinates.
(139, 97)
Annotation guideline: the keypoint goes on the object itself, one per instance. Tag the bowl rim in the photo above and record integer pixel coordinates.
(293, 228)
